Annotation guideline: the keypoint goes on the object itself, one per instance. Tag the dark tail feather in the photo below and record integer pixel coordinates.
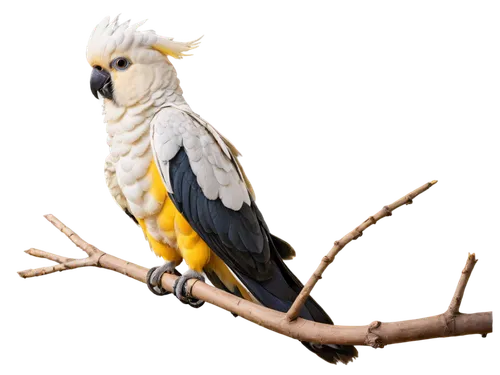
(280, 291)
(333, 353)
(285, 250)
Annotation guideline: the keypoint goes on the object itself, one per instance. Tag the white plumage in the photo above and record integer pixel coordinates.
(210, 158)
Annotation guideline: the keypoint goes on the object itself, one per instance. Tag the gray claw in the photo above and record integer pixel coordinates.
(181, 292)
(153, 278)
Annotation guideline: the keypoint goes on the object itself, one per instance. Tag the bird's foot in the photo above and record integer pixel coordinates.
(181, 292)
(153, 278)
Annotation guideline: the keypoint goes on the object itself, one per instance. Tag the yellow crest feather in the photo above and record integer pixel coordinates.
(167, 46)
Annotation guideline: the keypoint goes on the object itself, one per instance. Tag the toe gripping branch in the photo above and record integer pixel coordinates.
(183, 293)
(153, 281)
(155, 287)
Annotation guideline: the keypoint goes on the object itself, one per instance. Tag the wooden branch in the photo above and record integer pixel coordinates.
(376, 334)
(63, 263)
(357, 232)
(462, 283)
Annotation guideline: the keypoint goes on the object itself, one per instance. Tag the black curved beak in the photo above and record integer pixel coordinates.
(100, 82)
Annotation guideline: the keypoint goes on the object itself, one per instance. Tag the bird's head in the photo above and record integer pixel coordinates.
(130, 65)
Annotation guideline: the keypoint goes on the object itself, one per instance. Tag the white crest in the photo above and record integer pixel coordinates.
(109, 37)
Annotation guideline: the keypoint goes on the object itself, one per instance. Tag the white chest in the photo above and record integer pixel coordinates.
(130, 157)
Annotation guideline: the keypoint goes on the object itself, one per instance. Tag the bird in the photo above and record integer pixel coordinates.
(181, 181)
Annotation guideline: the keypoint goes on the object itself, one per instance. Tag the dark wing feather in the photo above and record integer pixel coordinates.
(239, 238)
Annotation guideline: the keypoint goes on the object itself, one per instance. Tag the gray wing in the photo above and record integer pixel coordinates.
(207, 187)
(215, 166)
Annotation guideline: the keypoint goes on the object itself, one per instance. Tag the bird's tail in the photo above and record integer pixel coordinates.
(280, 291)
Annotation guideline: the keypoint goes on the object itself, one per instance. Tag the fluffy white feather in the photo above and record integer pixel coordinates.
(210, 158)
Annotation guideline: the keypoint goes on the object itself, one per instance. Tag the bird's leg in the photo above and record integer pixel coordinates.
(180, 288)
(153, 278)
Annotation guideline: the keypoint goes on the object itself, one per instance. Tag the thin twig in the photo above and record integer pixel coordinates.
(94, 254)
(462, 283)
(43, 254)
(357, 232)
(75, 238)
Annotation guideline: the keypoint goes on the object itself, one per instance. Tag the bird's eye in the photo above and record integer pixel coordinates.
(120, 63)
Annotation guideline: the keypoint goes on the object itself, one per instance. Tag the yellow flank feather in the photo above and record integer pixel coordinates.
(194, 250)
(182, 226)
(166, 219)
(157, 190)
(189, 245)
(162, 250)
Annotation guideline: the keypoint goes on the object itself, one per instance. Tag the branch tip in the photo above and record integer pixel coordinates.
(301, 299)
(454, 307)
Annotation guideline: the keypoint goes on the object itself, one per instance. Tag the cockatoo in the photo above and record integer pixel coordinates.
(181, 180)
